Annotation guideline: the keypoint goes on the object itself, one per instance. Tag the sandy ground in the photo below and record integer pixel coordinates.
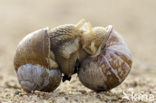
(134, 19)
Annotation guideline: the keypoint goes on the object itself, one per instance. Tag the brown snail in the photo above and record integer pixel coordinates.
(44, 55)
(109, 64)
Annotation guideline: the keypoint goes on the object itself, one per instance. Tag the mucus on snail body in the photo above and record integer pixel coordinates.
(44, 55)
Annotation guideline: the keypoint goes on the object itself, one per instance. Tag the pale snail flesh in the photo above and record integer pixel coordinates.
(44, 55)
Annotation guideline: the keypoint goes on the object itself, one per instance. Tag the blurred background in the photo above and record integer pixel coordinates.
(135, 20)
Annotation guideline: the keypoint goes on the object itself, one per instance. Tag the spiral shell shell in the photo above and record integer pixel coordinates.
(42, 56)
(34, 63)
(110, 67)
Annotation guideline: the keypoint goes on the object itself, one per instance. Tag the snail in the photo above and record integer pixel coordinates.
(108, 64)
(42, 56)
(47, 56)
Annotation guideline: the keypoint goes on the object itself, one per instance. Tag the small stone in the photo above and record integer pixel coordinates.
(66, 98)
(53, 100)
(98, 96)
(21, 94)
(82, 91)
(76, 100)
(17, 92)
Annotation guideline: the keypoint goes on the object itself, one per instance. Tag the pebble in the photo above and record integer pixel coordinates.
(17, 92)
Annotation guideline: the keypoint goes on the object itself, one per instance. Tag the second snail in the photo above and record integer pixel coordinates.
(99, 56)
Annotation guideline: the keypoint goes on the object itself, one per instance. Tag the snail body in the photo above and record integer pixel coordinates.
(99, 56)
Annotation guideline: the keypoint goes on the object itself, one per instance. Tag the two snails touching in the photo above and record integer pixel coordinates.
(98, 55)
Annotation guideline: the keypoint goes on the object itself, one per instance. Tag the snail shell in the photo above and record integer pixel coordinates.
(109, 66)
(34, 63)
(42, 56)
